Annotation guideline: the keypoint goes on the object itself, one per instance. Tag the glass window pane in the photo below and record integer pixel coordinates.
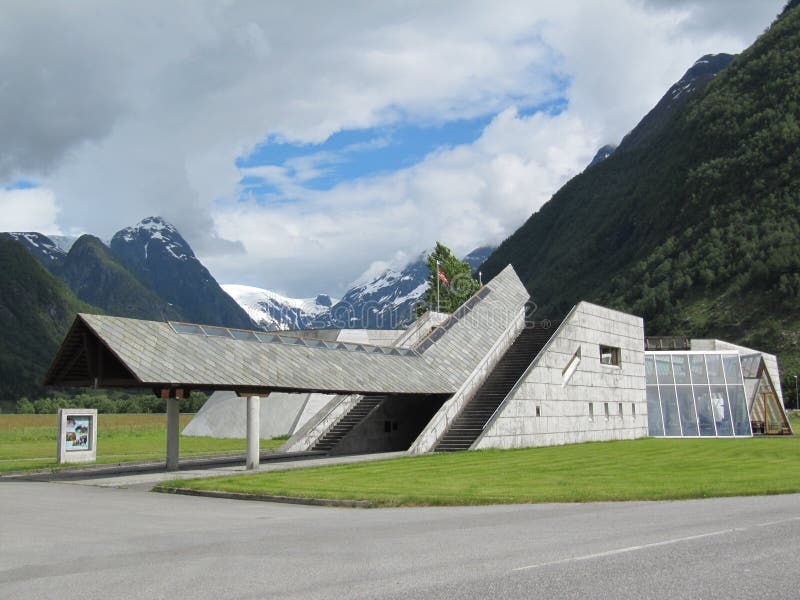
(267, 338)
(664, 369)
(719, 404)
(686, 404)
(187, 328)
(669, 405)
(714, 363)
(680, 364)
(705, 413)
(733, 370)
(741, 420)
(655, 427)
(247, 336)
(216, 331)
(698, 368)
(650, 368)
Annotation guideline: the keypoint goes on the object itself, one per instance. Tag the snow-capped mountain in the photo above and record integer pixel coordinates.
(65, 242)
(41, 246)
(159, 257)
(478, 256)
(274, 312)
(385, 302)
(151, 236)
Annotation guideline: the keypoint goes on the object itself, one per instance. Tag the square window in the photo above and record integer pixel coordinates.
(609, 355)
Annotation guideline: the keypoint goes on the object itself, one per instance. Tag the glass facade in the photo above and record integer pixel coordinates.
(695, 394)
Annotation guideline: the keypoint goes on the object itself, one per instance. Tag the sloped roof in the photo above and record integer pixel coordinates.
(115, 351)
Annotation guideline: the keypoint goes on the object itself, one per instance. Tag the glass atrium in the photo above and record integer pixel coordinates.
(696, 394)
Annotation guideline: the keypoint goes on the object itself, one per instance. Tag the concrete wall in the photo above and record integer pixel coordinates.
(224, 415)
(420, 328)
(563, 407)
(404, 417)
(770, 360)
(373, 337)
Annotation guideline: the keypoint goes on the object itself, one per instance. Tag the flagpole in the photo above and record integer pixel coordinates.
(438, 304)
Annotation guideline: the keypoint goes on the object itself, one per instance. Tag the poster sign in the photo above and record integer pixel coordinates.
(77, 435)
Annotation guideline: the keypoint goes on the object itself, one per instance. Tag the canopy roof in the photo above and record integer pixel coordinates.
(104, 351)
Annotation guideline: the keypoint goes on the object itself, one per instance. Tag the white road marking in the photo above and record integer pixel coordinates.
(617, 551)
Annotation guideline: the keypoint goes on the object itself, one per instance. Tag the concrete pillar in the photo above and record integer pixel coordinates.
(173, 434)
(253, 432)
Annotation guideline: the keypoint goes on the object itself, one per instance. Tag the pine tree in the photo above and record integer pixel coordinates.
(460, 285)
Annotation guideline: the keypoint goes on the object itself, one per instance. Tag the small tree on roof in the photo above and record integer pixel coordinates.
(456, 284)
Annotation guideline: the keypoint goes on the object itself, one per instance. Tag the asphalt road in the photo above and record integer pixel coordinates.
(62, 540)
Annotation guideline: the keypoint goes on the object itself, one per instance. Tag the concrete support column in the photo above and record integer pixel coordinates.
(173, 434)
(253, 432)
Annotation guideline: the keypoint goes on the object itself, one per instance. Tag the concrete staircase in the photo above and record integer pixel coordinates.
(346, 424)
(469, 424)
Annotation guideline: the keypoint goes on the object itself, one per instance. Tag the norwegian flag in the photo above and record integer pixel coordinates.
(442, 277)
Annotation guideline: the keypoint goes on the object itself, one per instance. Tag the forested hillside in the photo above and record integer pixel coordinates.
(36, 309)
(96, 277)
(697, 228)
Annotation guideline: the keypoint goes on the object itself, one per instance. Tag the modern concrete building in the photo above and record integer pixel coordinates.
(483, 377)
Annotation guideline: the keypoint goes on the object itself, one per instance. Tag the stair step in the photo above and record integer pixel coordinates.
(469, 424)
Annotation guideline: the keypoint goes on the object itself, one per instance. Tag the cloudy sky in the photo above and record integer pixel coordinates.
(300, 146)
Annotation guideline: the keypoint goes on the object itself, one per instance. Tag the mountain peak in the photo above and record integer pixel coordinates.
(696, 78)
(150, 229)
(41, 246)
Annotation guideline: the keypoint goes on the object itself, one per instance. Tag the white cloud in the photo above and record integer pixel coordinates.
(129, 109)
(30, 209)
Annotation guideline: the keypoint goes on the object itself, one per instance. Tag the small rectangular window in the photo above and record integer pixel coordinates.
(633, 409)
(620, 409)
(538, 411)
(387, 426)
(572, 366)
(605, 409)
(591, 411)
(609, 355)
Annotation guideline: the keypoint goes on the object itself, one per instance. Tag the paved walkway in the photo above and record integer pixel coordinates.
(120, 477)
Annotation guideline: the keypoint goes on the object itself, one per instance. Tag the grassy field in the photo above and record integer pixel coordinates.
(29, 441)
(646, 469)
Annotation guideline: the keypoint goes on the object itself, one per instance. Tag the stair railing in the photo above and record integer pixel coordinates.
(524, 376)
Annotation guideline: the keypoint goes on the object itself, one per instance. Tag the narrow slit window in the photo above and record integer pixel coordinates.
(538, 411)
(609, 355)
(605, 409)
(633, 409)
(591, 411)
(620, 409)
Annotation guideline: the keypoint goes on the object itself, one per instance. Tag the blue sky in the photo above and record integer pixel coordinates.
(352, 154)
(21, 184)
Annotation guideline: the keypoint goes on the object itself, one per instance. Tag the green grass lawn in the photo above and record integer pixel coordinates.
(646, 469)
(29, 441)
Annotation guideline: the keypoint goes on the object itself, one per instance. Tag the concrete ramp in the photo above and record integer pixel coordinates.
(224, 415)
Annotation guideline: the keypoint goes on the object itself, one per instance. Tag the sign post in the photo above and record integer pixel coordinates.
(77, 435)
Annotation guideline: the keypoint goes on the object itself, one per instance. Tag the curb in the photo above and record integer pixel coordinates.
(264, 497)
